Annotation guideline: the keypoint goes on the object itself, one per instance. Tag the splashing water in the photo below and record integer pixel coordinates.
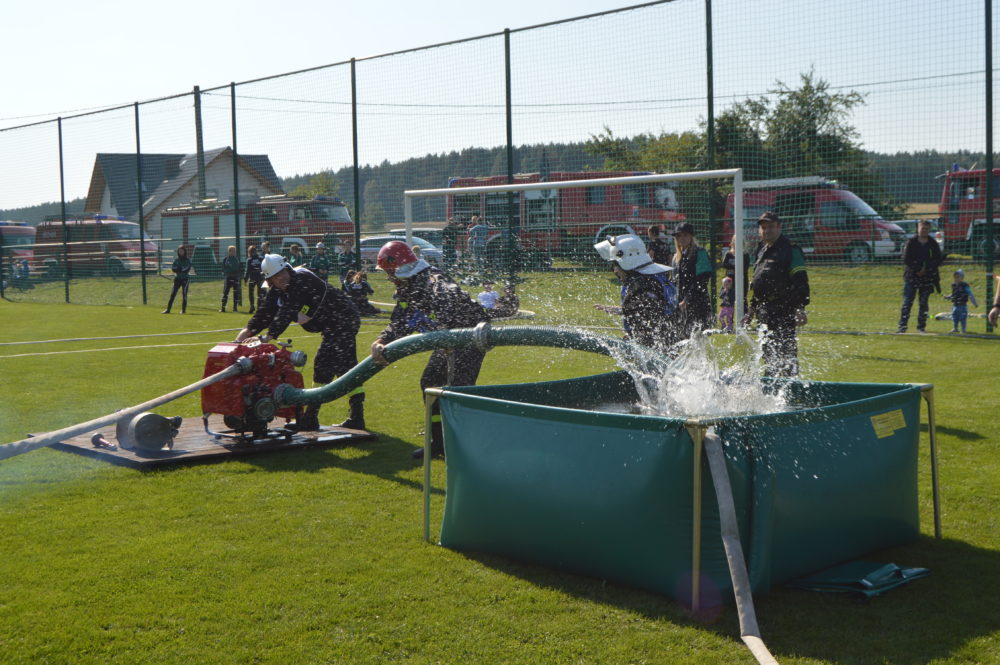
(712, 375)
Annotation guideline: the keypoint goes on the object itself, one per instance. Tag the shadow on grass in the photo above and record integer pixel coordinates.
(385, 458)
(963, 434)
(881, 359)
(930, 619)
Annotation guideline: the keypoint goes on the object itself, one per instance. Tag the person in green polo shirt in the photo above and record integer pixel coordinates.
(321, 263)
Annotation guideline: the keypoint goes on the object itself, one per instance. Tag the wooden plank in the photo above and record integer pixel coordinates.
(193, 445)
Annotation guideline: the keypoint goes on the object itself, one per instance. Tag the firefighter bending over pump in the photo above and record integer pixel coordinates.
(298, 294)
(427, 299)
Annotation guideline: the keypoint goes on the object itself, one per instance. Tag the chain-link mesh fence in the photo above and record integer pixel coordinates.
(851, 121)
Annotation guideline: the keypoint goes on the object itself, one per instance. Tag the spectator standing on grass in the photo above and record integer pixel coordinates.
(347, 259)
(921, 258)
(477, 240)
(295, 256)
(181, 267)
(994, 313)
(961, 294)
(232, 269)
(692, 272)
(779, 293)
(659, 249)
(252, 276)
(320, 263)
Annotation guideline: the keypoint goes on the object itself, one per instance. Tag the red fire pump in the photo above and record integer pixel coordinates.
(246, 400)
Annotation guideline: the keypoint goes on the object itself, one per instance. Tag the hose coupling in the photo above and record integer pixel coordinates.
(279, 393)
(481, 336)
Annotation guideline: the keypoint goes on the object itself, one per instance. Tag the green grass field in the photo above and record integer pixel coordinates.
(316, 556)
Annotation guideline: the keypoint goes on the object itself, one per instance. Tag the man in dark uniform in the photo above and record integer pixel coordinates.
(659, 250)
(252, 275)
(779, 294)
(296, 294)
(426, 299)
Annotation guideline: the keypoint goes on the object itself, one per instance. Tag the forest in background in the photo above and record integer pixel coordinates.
(908, 177)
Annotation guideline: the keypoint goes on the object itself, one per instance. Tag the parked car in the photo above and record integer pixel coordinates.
(371, 245)
(431, 235)
(909, 227)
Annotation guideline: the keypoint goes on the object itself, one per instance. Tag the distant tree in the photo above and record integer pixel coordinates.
(801, 131)
(324, 183)
(373, 212)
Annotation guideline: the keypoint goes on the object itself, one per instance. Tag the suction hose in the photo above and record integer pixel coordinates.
(26, 445)
(482, 336)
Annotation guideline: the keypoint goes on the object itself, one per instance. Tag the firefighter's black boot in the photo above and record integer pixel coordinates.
(356, 419)
(437, 443)
(309, 422)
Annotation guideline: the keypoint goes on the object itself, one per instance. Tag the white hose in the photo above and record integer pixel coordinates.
(749, 631)
(47, 439)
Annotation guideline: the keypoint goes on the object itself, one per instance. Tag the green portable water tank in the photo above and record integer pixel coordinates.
(534, 473)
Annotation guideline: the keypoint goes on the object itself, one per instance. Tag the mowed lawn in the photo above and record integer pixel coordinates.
(316, 556)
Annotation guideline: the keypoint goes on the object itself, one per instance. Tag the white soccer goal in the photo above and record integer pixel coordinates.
(551, 212)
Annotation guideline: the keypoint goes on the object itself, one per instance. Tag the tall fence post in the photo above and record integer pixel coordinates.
(989, 157)
(199, 143)
(710, 138)
(142, 216)
(62, 201)
(236, 175)
(2, 281)
(357, 170)
(512, 199)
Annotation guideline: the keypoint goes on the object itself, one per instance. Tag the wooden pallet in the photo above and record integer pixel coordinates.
(193, 445)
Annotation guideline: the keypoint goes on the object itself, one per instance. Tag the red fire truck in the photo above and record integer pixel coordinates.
(564, 221)
(98, 244)
(963, 211)
(17, 243)
(207, 228)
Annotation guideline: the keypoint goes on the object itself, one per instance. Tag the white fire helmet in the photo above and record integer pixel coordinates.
(272, 265)
(629, 252)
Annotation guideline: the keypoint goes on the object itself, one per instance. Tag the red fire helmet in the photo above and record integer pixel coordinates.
(397, 259)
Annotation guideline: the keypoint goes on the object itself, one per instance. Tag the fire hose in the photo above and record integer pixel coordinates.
(482, 336)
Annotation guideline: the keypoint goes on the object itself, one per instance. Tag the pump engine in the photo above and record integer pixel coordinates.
(246, 401)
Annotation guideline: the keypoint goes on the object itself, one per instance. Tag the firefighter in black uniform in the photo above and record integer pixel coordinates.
(426, 299)
(252, 275)
(779, 292)
(648, 298)
(296, 294)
